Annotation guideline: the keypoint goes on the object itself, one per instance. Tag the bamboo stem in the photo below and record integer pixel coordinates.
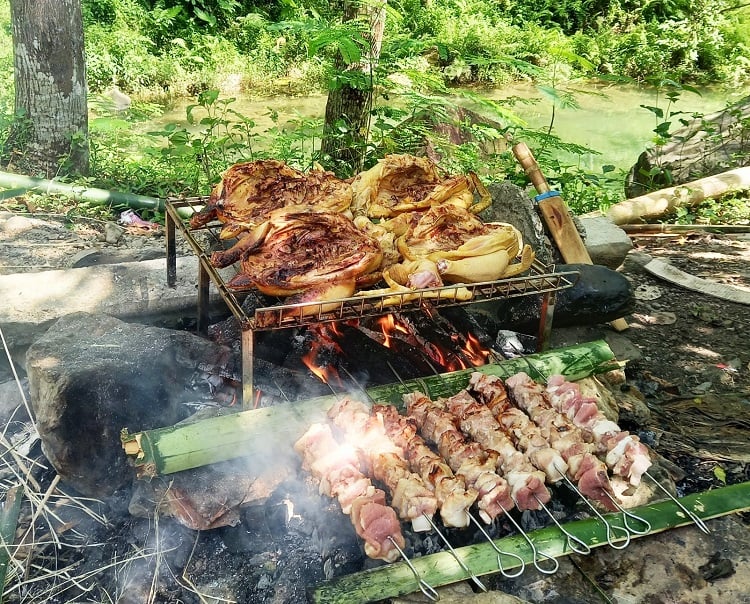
(439, 569)
(248, 433)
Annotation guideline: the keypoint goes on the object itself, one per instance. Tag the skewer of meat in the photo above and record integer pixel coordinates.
(584, 467)
(524, 434)
(450, 490)
(336, 468)
(477, 421)
(531, 429)
(622, 451)
(410, 496)
(466, 458)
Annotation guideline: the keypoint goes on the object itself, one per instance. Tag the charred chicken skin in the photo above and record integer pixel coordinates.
(299, 249)
(249, 191)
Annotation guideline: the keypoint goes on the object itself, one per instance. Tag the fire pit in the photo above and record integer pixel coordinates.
(541, 281)
(506, 546)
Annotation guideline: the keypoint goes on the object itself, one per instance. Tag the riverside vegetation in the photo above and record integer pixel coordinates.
(158, 50)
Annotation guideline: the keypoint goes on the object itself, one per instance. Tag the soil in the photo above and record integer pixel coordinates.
(684, 345)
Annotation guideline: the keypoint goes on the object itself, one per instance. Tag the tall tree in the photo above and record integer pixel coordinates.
(50, 86)
(347, 119)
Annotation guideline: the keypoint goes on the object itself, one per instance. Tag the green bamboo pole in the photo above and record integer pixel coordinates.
(439, 569)
(9, 512)
(78, 192)
(246, 434)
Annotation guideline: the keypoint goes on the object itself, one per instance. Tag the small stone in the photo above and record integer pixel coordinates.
(113, 232)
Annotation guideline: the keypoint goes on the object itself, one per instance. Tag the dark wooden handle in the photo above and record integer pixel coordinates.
(530, 167)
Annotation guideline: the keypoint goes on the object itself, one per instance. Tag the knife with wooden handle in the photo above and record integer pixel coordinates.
(557, 217)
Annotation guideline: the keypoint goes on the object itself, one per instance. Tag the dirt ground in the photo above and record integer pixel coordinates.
(689, 349)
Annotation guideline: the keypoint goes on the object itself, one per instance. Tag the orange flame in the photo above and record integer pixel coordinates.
(475, 352)
(326, 338)
(389, 325)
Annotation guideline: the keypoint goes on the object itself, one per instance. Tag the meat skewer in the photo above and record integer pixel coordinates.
(336, 469)
(466, 458)
(478, 422)
(523, 433)
(451, 491)
(586, 470)
(475, 464)
(623, 452)
(410, 496)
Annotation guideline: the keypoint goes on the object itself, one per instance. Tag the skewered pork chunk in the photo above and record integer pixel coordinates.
(623, 452)
(410, 495)
(450, 490)
(490, 390)
(467, 459)
(336, 469)
(476, 420)
(584, 468)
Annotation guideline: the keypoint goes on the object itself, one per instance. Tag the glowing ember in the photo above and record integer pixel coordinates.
(389, 325)
(325, 339)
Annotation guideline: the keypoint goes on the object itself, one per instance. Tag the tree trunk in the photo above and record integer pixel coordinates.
(347, 119)
(51, 131)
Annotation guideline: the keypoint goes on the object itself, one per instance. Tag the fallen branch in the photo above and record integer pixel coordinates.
(248, 433)
(9, 512)
(658, 203)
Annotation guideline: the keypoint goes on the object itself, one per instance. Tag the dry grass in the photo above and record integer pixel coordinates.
(50, 544)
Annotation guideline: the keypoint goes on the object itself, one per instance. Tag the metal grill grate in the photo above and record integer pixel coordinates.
(540, 280)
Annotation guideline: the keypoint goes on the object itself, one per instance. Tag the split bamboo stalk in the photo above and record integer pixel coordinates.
(9, 513)
(658, 203)
(439, 569)
(266, 435)
(679, 229)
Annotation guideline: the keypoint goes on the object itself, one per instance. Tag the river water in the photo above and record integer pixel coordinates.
(609, 119)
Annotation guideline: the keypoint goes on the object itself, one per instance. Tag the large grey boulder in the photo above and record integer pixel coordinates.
(91, 375)
(510, 203)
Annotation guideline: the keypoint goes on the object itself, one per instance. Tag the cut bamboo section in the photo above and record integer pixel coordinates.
(440, 569)
(248, 433)
(9, 512)
(658, 203)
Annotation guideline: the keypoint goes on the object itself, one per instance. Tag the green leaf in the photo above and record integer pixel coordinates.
(657, 111)
(720, 474)
(349, 51)
(204, 16)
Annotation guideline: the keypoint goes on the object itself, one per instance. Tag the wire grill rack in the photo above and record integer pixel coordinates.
(540, 280)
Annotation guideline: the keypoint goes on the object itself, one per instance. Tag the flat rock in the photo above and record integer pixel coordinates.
(135, 291)
(606, 243)
(91, 375)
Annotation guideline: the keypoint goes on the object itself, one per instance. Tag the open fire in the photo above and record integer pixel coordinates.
(400, 334)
